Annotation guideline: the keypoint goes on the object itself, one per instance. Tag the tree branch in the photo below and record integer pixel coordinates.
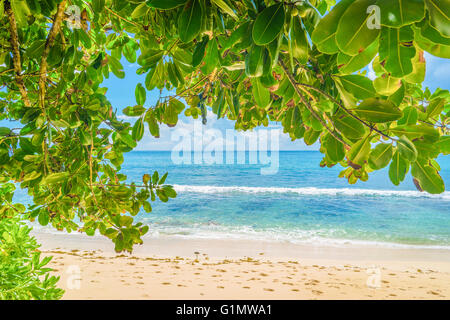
(340, 105)
(48, 44)
(307, 104)
(14, 40)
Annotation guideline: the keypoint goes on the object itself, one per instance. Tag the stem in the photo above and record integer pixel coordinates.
(48, 44)
(14, 40)
(189, 89)
(122, 18)
(308, 105)
(345, 109)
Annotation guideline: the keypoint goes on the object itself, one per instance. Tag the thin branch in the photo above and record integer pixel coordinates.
(48, 44)
(14, 40)
(189, 89)
(6, 71)
(122, 18)
(340, 105)
(307, 104)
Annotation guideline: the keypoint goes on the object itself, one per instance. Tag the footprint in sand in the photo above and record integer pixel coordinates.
(433, 293)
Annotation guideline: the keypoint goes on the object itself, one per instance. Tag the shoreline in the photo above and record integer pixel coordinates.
(171, 268)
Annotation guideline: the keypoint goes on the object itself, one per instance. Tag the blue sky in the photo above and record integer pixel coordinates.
(121, 94)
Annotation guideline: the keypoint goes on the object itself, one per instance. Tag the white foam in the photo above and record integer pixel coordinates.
(303, 237)
(348, 192)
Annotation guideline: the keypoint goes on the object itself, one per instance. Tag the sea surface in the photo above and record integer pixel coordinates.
(302, 203)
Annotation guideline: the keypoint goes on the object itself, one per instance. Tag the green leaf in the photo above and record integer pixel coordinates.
(155, 78)
(254, 61)
(134, 111)
(407, 149)
(334, 148)
(349, 64)
(199, 51)
(396, 47)
(435, 107)
(127, 139)
(211, 57)
(349, 126)
(378, 111)
(225, 8)
(416, 131)
(387, 85)
(260, 93)
(428, 177)
(311, 136)
(299, 45)
(359, 153)
(419, 69)
(324, 33)
(171, 74)
(439, 11)
(165, 4)
(116, 67)
(410, 116)
(35, 50)
(43, 218)
(353, 34)
(138, 130)
(436, 49)
(444, 144)
(399, 13)
(398, 96)
(139, 11)
(380, 156)
(128, 52)
(268, 24)
(426, 150)
(140, 94)
(4, 131)
(360, 86)
(430, 33)
(155, 177)
(152, 124)
(150, 58)
(53, 178)
(398, 169)
(190, 21)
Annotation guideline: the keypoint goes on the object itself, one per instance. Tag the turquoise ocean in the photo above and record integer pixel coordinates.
(303, 203)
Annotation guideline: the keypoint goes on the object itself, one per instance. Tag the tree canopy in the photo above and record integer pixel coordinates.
(301, 63)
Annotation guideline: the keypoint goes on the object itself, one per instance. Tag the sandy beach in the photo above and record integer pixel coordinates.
(174, 268)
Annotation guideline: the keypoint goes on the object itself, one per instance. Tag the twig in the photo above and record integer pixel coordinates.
(14, 40)
(345, 109)
(48, 44)
(306, 103)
